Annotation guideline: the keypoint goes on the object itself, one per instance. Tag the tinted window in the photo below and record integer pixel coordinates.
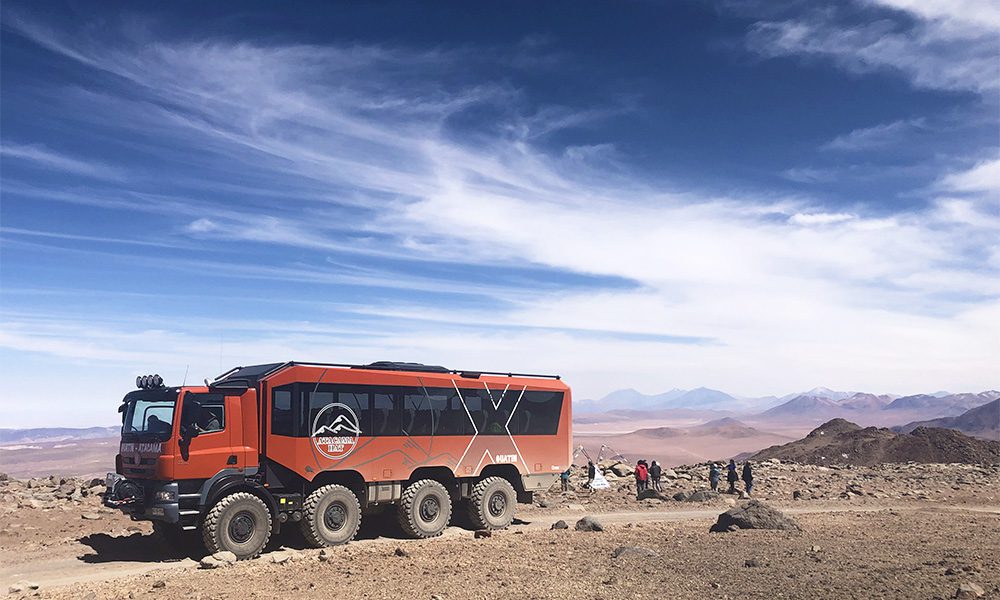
(320, 415)
(423, 410)
(537, 413)
(281, 411)
(385, 414)
(204, 412)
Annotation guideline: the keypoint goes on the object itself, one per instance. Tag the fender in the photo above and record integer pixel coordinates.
(228, 481)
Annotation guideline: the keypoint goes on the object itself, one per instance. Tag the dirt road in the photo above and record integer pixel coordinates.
(61, 570)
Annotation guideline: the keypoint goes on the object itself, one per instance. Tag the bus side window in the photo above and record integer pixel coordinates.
(538, 413)
(385, 417)
(281, 411)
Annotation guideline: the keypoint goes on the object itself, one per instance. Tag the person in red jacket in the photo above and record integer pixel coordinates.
(641, 476)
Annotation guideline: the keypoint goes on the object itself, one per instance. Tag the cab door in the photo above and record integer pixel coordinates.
(206, 428)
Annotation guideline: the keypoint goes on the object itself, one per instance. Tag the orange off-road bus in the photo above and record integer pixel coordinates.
(319, 444)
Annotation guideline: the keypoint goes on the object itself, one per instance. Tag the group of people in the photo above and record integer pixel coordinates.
(647, 476)
(732, 477)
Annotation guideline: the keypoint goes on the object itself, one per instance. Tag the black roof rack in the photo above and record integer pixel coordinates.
(246, 377)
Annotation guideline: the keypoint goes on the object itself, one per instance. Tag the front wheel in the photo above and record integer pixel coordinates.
(239, 523)
(491, 504)
(331, 516)
(424, 509)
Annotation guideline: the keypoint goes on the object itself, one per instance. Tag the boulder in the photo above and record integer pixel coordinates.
(633, 551)
(969, 590)
(703, 496)
(753, 515)
(560, 524)
(670, 473)
(621, 469)
(482, 533)
(648, 494)
(589, 524)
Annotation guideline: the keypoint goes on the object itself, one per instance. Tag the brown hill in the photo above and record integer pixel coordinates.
(982, 421)
(842, 442)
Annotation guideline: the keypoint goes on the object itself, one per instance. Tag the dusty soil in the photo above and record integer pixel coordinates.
(914, 553)
(905, 531)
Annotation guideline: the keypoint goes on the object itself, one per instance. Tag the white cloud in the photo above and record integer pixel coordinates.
(44, 157)
(788, 293)
(983, 177)
(819, 218)
(874, 137)
(951, 46)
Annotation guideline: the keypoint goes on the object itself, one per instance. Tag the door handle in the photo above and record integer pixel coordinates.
(231, 460)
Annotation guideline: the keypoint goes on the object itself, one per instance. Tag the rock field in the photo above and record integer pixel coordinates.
(891, 531)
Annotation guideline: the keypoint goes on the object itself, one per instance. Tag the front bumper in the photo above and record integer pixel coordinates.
(143, 499)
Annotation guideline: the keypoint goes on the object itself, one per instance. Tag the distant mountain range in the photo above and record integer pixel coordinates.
(816, 405)
(810, 407)
(56, 434)
(982, 422)
(697, 399)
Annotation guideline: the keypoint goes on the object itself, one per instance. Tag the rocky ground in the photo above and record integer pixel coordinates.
(777, 481)
(900, 531)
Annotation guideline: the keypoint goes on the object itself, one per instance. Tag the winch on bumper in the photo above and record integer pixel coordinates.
(143, 500)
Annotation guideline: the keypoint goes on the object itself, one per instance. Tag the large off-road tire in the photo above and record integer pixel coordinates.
(424, 509)
(239, 523)
(491, 504)
(331, 515)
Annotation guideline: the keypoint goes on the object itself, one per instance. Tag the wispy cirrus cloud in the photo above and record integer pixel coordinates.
(42, 157)
(390, 168)
(935, 45)
(875, 137)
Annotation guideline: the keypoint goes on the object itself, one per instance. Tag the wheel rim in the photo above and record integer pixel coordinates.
(429, 508)
(242, 526)
(335, 516)
(497, 504)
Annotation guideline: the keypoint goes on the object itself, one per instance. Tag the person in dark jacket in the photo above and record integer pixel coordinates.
(714, 475)
(655, 472)
(591, 473)
(731, 476)
(748, 476)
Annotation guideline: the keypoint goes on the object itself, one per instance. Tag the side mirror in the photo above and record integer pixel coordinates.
(188, 432)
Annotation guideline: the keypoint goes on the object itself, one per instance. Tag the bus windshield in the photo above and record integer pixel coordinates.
(149, 415)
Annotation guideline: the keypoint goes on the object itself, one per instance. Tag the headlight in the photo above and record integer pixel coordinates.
(166, 496)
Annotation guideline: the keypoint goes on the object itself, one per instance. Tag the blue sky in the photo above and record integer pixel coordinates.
(747, 196)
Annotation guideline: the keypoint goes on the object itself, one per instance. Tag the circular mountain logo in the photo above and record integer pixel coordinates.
(335, 431)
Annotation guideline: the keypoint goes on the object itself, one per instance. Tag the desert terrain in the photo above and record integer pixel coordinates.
(925, 530)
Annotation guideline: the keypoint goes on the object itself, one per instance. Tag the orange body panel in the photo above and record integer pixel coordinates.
(396, 457)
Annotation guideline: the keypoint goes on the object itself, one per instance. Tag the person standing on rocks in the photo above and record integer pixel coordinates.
(714, 475)
(591, 473)
(731, 476)
(655, 472)
(641, 476)
(564, 480)
(748, 477)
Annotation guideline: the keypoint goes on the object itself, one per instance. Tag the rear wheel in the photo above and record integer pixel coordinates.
(331, 516)
(491, 504)
(424, 509)
(239, 523)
